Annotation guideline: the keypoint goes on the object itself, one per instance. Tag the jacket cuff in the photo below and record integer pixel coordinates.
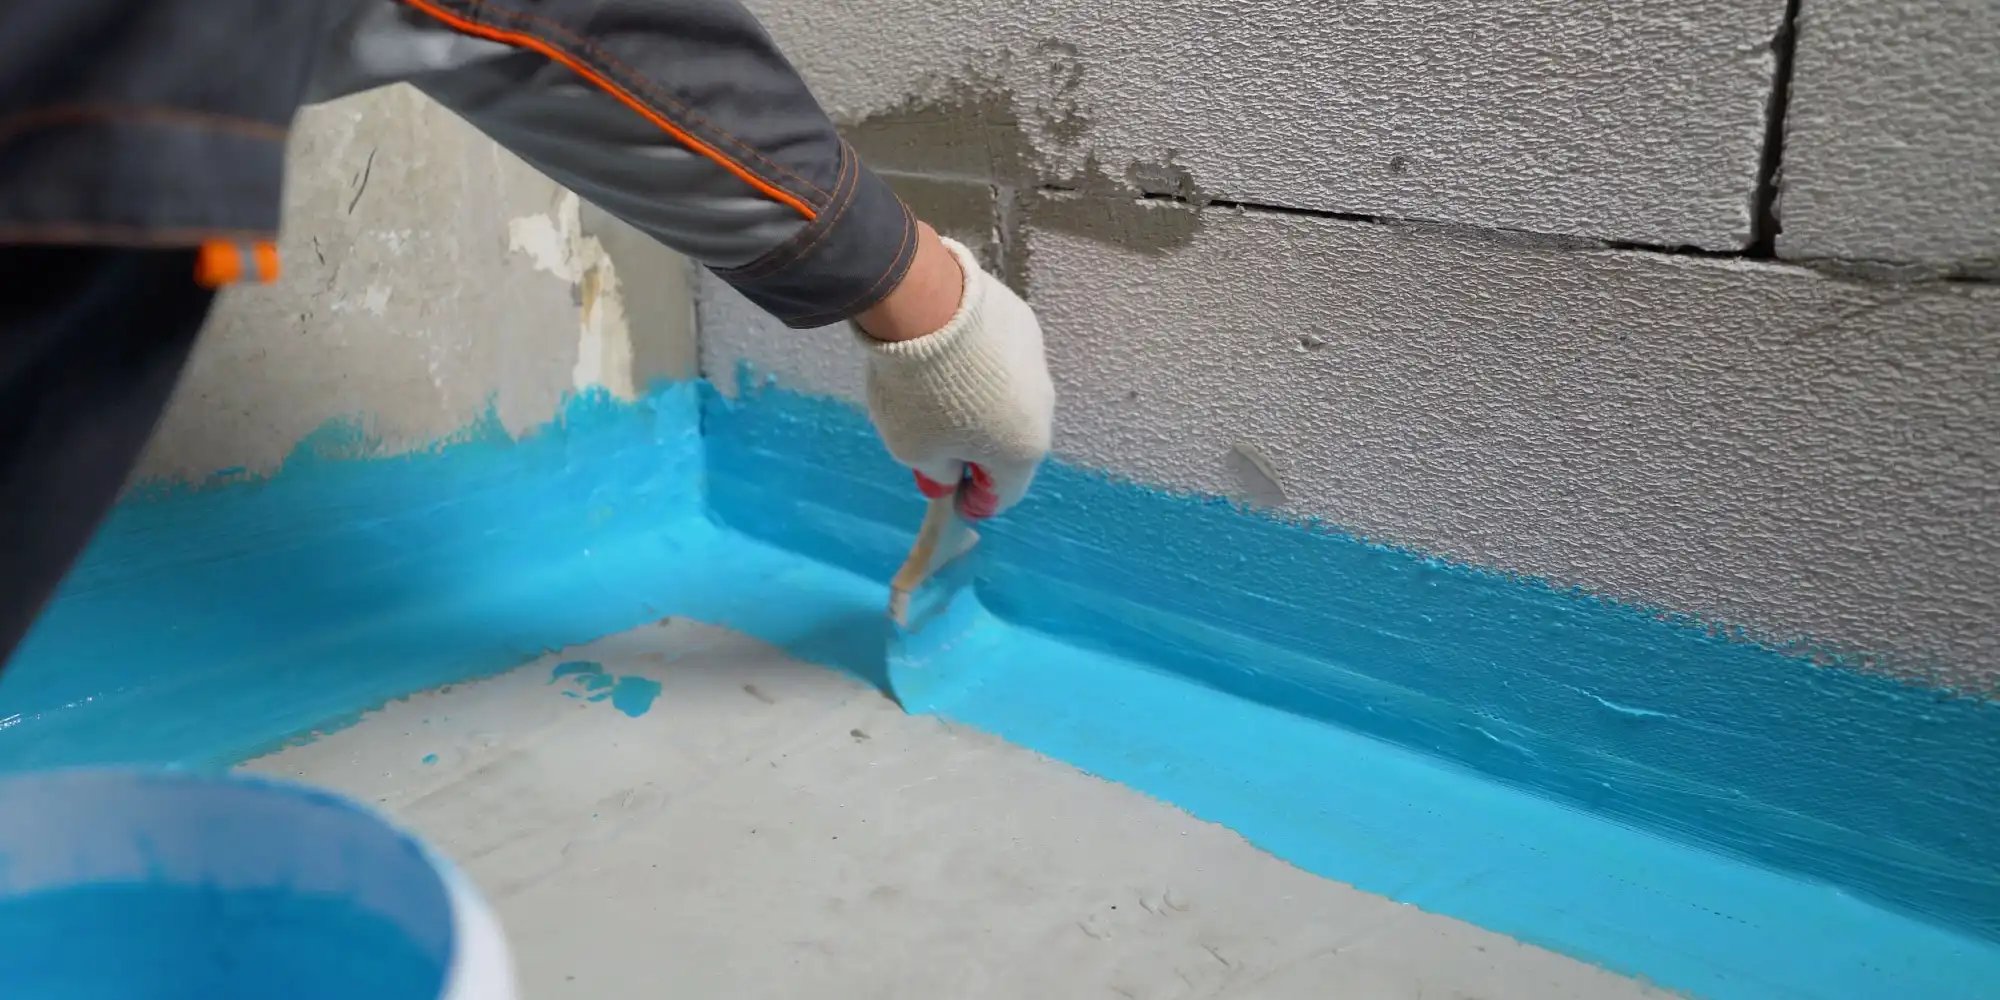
(847, 259)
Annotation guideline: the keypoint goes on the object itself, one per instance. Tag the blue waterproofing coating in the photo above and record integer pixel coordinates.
(1608, 781)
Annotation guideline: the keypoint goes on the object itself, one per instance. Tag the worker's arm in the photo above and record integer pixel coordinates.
(682, 118)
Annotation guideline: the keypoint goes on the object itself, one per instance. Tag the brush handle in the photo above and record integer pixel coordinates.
(940, 518)
(943, 537)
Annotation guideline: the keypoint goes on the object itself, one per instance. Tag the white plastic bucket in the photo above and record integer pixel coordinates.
(168, 885)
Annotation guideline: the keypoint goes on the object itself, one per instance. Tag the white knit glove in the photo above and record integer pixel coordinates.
(970, 403)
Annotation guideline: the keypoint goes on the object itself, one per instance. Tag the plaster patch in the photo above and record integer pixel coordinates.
(604, 348)
(973, 125)
(546, 239)
(556, 243)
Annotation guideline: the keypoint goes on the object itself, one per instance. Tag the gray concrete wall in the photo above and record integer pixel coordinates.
(1892, 141)
(428, 276)
(1805, 453)
(1625, 121)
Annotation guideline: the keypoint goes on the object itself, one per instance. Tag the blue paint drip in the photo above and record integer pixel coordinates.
(1473, 712)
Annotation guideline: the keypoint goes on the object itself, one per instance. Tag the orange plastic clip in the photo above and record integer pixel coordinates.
(265, 253)
(220, 262)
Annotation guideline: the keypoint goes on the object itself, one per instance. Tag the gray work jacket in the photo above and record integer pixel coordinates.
(162, 123)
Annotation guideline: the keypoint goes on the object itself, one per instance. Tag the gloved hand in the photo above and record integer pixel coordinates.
(971, 401)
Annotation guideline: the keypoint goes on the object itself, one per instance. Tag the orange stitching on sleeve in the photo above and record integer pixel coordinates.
(784, 258)
(556, 27)
(909, 230)
(625, 97)
(77, 114)
(875, 290)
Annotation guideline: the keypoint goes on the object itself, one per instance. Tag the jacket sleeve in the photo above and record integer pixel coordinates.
(149, 123)
(679, 116)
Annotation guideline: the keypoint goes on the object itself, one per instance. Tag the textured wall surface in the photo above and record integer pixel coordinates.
(428, 275)
(1757, 444)
(1639, 122)
(1805, 456)
(1892, 145)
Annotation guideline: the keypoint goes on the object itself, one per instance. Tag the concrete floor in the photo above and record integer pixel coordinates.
(772, 829)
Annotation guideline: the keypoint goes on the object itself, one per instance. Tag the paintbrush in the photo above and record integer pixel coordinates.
(935, 613)
(943, 537)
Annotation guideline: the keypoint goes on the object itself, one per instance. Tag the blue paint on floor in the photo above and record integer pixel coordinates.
(629, 694)
(634, 695)
(576, 668)
(1631, 788)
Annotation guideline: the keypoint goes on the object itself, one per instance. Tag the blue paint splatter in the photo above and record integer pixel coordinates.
(430, 758)
(575, 668)
(629, 694)
(634, 695)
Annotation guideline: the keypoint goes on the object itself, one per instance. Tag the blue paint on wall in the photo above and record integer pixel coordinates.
(1502, 750)
(207, 624)
(1658, 720)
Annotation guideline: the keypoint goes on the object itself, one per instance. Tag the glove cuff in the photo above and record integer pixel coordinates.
(959, 362)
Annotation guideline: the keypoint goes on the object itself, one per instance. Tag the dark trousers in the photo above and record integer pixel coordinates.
(91, 343)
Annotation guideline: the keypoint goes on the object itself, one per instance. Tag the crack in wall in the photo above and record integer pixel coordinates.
(1857, 271)
(1765, 224)
(974, 128)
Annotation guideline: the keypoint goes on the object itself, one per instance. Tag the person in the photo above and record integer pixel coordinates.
(141, 153)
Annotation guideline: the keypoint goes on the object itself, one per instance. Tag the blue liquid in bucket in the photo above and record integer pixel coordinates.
(169, 942)
(172, 886)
